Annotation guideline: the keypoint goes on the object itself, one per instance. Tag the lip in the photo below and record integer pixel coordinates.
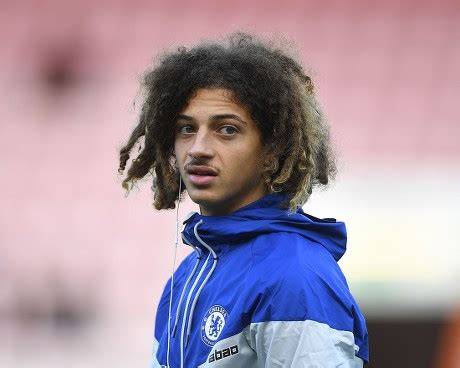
(201, 175)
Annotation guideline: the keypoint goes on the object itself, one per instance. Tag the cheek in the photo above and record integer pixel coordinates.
(248, 162)
(257, 154)
(179, 152)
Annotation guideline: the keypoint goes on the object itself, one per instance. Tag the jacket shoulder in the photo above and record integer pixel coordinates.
(298, 279)
(294, 257)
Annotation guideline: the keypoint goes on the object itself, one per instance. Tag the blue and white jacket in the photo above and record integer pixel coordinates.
(262, 289)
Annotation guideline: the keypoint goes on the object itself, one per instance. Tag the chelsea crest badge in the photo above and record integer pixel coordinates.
(212, 324)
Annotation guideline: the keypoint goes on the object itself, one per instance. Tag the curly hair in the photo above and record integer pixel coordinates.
(264, 78)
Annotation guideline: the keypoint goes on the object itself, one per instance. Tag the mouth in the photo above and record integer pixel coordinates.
(200, 175)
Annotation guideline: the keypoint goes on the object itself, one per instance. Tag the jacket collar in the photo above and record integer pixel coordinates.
(264, 216)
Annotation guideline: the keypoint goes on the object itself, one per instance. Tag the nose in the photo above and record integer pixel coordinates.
(201, 146)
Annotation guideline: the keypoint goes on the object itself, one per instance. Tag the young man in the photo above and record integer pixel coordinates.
(236, 124)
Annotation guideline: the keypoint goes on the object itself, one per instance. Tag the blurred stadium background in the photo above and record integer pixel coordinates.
(82, 267)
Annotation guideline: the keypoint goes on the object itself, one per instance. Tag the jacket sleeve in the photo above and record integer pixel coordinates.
(302, 344)
(153, 359)
(302, 313)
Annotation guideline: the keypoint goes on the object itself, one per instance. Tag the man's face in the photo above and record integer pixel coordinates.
(219, 152)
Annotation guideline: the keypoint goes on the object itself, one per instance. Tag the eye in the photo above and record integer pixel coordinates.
(185, 129)
(228, 130)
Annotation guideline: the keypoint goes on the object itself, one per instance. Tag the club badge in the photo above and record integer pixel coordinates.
(212, 324)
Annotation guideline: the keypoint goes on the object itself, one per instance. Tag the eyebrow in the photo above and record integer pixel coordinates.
(213, 117)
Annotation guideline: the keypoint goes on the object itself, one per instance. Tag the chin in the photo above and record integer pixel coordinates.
(200, 197)
(208, 203)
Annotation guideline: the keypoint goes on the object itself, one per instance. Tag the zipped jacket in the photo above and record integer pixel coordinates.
(262, 289)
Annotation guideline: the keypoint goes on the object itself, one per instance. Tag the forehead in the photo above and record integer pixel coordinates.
(214, 100)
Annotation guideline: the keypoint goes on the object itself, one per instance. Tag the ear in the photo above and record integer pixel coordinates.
(270, 160)
(173, 160)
